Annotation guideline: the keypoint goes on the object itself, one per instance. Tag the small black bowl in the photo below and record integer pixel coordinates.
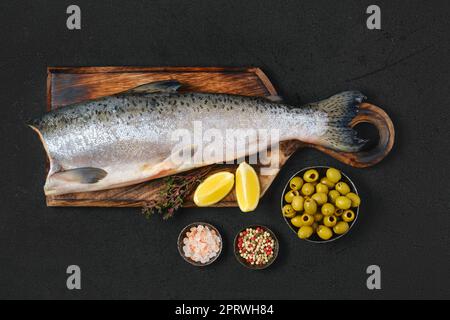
(182, 235)
(322, 170)
(252, 266)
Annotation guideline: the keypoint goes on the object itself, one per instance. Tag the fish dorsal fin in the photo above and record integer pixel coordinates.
(274, 98)
(157, 86)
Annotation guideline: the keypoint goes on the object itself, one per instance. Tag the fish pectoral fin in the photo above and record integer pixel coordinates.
(86, 175)
(157, 86)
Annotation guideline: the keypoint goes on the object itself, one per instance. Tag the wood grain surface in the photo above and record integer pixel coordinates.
(67, 85)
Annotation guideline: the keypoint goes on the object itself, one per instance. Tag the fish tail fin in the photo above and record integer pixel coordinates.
(340, 109)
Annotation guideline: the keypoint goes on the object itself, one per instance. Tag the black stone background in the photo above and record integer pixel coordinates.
(310, 50)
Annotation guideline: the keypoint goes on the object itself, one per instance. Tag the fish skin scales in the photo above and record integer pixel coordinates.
(129, 135)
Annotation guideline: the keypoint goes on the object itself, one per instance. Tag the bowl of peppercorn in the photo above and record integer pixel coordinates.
(256, 247)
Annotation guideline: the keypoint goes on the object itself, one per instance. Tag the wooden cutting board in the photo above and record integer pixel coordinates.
(67, 85)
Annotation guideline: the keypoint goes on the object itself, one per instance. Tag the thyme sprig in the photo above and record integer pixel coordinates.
(173, 194)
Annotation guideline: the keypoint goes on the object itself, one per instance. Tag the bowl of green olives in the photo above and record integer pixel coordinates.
(320, 204)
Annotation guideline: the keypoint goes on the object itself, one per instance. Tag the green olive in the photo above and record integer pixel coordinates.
(348, 216)
(328, 209)
(307, 219)
(297, 203)
(288, 211)
(333, 195)
(342, 187)
(356, 200)
(305, 232)
(321, 188)
(297, 221)
(318, 217)
(296, 183)
(327, 182)
(330, 221)
(311, 175)
(320, 198)
(334, 175)
(310, 206)
(339, 212)
(341, 227)
(308, 189)
(290, 195)
(324, 232)
(343, 202)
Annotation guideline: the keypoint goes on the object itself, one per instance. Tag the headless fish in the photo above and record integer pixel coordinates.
(125, 139)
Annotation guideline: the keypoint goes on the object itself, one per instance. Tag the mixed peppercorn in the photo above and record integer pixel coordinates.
(256, 246)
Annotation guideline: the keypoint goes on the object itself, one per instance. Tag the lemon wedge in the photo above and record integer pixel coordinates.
(247, 187)
(213, 189)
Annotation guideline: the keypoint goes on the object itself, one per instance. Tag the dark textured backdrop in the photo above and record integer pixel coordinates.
(309, 49)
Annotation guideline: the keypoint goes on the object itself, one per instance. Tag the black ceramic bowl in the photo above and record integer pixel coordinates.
(252, 266)
(182, 235)
(322, 173)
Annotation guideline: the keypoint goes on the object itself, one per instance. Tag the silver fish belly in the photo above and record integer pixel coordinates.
(128, 138)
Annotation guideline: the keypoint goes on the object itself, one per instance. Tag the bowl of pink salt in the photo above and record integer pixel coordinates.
(200, 244)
